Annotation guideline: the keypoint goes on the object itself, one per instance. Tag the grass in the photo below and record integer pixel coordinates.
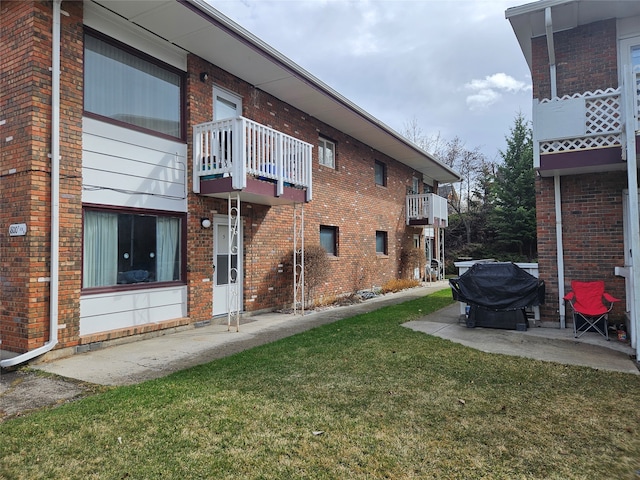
(360, 398)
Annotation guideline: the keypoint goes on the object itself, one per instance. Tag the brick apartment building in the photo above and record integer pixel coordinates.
(160, 164)
(584, 58)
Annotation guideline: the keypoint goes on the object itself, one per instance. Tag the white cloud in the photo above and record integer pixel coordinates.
(400, 59)
(487, 91)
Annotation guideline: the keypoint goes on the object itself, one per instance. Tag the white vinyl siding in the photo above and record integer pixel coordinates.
(125, 309)
(123, 167)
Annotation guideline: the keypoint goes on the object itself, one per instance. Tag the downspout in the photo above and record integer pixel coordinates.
(55, 198)
(559, 249)
(548, 25)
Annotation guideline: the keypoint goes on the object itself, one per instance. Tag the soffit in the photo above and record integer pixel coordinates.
(196, 27)
(528, 21)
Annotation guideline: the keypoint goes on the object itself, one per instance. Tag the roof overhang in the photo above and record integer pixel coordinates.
(196, 27)
(528, 21)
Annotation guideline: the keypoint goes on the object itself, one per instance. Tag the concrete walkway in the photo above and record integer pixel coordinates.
(549, 344)
(138, 361)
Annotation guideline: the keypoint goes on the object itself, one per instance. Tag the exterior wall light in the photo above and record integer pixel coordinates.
(205, 222)
(204, 76)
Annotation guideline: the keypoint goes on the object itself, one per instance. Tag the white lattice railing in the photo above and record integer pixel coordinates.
(578, 122)
(260, 151)
(429, 207)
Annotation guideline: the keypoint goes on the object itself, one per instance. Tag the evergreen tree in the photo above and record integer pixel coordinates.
(514, 215)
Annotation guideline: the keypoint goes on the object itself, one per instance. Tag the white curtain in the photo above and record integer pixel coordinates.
(168, 243)
(127, 88)
(100, 265)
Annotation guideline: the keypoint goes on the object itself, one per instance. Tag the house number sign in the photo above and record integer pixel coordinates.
(17, 229)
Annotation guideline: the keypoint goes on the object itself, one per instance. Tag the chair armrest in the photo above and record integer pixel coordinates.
(569, 296)
(610, 298)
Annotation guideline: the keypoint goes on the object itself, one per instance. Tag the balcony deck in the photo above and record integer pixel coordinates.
(262, 165)
(583, 133)
(427, 209)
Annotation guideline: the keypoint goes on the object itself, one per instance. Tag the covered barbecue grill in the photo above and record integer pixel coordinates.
(498, 294)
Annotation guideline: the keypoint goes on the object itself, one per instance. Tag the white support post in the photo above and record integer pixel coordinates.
(197, 160)
(631, 122)
(441, 253)
(298, 259)
(280, 149)
(234, 249)
(239, 176)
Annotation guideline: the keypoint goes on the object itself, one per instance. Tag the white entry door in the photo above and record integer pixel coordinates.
(221, 280)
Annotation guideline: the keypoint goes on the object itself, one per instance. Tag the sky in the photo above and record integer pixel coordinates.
(452, 67)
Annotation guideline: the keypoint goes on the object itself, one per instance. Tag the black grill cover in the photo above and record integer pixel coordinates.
(498, 286)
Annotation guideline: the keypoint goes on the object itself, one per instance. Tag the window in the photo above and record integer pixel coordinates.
(381, 243)
(131, 88)
(415, 185)
(326, 153)
(329, 239)
(381, 173)
(130, 248)
(226, 104)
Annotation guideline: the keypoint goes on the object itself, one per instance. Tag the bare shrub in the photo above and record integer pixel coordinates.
(363, 270)
(410, 259)
(316, 269)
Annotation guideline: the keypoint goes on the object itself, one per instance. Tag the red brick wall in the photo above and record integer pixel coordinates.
(345, 197)
(592, 235)
(586, 60)
(25, 195)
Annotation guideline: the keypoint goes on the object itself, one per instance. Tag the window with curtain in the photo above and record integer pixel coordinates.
(130, 248)
(130, 88)
(326, 153)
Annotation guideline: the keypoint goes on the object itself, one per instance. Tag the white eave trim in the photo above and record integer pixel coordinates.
(303, 75)
(534, 7)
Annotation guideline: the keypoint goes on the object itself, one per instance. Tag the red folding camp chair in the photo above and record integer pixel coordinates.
(590, 310)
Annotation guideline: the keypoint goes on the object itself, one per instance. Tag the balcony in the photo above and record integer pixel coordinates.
(262, 165)
(427, 209)
(581, 133)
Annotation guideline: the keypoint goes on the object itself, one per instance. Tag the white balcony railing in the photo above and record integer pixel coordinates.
(239, 147)
(578, 122)
(427, 207)
(582, 121)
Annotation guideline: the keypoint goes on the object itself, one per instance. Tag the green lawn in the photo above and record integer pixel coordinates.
(360, 398)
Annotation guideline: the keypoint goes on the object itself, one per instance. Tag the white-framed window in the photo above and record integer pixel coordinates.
(381, 243)
(326, 153)
(125, 86)
(415, 185)
(329, 239)
(130, 247)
